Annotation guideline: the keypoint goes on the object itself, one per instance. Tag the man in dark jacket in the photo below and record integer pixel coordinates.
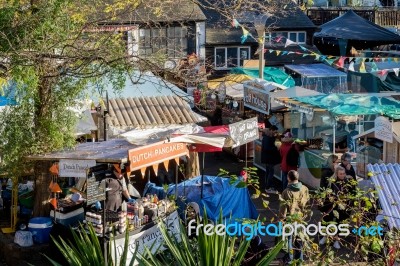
(294, 201)
(270, 156)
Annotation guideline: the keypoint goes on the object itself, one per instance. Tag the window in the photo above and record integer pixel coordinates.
(227, 57)
(295, 36)
(171, 41)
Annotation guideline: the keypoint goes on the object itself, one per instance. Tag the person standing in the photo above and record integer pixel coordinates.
(116, 190)
(341, 187)
(294, 202)
(270, 156)
(289, 157)
(346, 164)
(328, 170)
(351, 143)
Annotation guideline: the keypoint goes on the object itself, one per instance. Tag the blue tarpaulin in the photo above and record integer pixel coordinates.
(218, 195)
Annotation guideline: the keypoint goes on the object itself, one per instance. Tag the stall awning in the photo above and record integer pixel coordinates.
(353, 104)
(272, 74)
(283, 96)
(111, 151)
(233, 84)
(386, 178)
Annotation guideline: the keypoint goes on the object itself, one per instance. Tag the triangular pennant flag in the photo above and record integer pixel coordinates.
(358, 60)
(362, 67)
(290, 53)
(340, 62)
(166, 164)
(265, 50)
(235, 23)
(289, 42)
(278, 52)
(323, 57)
(330, 61)
(383, 59)
(246, 34)
(278, 39)
(304, 55)
(317, 56)
(351, 66)
(155, 168)
(284, 52)
(396, 71)
(270, 51)
(143, 172)
(303, 48)
(382, 74)
(177, 160)
(396, 59)
(389, 59)
(374, 67)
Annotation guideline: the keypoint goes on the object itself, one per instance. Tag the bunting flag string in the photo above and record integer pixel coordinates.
(338, 61)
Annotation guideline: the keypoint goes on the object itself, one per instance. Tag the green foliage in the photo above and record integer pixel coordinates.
(213, 249)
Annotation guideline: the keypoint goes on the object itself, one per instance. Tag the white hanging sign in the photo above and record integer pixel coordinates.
(74, 168)
(383, 129)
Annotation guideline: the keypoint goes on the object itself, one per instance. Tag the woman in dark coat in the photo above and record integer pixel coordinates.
(328, 169)
(341, 187)
(269, 155)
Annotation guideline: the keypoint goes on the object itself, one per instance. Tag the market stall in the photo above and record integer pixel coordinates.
(325, 112)
(270, 108)
(318, 77)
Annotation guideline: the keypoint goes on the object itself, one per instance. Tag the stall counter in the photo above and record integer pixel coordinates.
(311, 162)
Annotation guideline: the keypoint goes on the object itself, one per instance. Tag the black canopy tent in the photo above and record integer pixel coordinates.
(338, 36)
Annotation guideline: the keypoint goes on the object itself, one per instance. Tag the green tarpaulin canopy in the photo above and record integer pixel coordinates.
(272, 74)
(354, 104)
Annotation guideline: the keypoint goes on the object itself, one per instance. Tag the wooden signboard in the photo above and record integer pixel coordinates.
(244, 131)
(95, 191)
(155, 153)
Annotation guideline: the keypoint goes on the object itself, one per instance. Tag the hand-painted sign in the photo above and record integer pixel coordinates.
(383, 129)
(256, 99)
(244, 131)
(155, 153)
(74, 168)
(151, 238)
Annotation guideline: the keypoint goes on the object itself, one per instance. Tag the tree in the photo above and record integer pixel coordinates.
(50, 51)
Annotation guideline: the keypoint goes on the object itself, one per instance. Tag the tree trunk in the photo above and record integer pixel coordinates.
(42, 181)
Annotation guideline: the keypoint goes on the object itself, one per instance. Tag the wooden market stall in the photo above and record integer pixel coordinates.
(320, 115)
(85, 163)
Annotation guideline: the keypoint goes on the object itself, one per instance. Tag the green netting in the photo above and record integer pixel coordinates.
(354, 104)
(272, 74)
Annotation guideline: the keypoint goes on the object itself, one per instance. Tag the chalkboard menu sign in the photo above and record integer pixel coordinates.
(95, 192)
(244, 131)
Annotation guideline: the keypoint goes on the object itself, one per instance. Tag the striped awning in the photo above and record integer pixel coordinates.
(148, 112)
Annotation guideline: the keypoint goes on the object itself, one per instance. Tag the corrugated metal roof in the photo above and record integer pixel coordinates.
(147, 112)
(386, 178)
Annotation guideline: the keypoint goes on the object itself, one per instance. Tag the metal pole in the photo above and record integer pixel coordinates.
(176, 181)
(245, 156)
(334, 135)
(261, 54)
(202, 178)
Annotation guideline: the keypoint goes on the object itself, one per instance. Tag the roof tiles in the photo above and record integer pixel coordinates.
(145, 112)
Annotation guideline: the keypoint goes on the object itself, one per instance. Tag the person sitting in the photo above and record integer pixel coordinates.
(346, 164)
(328, 170)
